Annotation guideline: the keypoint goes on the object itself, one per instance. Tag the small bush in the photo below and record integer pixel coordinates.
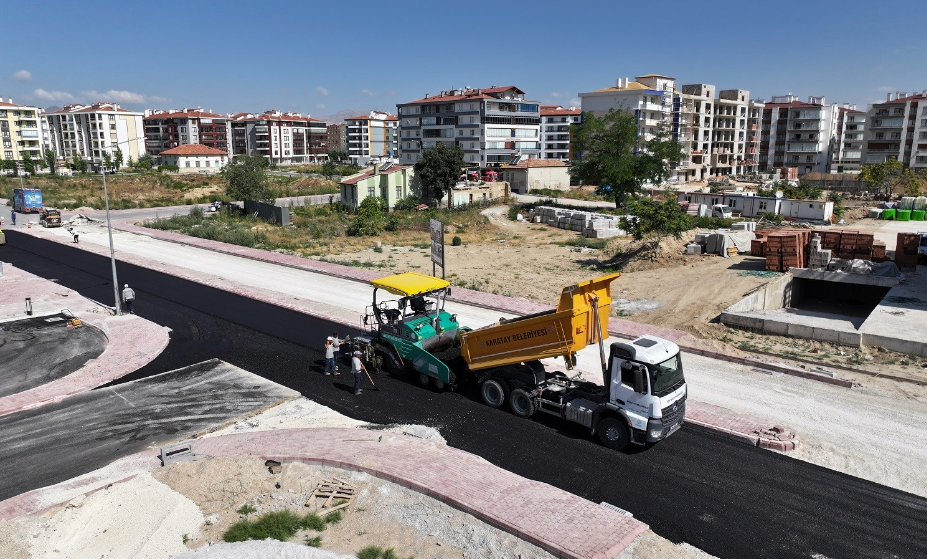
(712, 222)
(376, 552)
(246, 509)
(456, 241)
(313, 542)
(584, 242)
(281, 525)
(771, 216)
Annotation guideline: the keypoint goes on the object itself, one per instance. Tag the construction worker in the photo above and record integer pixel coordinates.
(331, 354)
(358, 367)
(128, 297)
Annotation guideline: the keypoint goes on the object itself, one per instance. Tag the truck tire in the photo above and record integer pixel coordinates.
(424, 379)
(521, 403)
(494, 393)
(613, 433)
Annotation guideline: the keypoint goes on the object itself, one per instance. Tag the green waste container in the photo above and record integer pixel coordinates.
(888, 214)
(918, 215)
(903, 215)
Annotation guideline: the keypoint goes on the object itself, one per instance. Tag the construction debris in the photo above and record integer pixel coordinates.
(334, 494)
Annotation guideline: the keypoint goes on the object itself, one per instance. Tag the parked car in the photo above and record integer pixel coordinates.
(50, 217)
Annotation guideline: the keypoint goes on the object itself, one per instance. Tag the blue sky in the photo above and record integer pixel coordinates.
(323, 57)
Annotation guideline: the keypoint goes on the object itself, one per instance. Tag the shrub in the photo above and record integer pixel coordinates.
(168, 168)
(456, 241)
(280, 525)
(771, 216)
(376, 552)
(711, 222)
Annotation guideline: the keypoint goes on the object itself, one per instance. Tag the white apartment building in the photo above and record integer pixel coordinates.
(798, 134)
(650, 97)
(172, 128)
(283, 138)
(89, 131)
(555, 131)
(848, 145)
(375, 135)
(491, 125)
(21, 131)
(897, 129)
(693, 122)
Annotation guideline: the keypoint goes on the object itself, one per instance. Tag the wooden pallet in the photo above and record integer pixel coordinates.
(329, 492)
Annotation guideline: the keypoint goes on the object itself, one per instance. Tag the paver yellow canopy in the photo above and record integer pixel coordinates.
(410, 283)
(581, 314)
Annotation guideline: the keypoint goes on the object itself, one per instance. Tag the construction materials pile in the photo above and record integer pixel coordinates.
(906, 250)
(590, 224)
(911, 208)
(831, 250)
(783, 249)
(725, 242)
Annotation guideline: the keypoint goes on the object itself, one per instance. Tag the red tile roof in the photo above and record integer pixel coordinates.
(5, 104)
(915, 97)
(193, 149)
(367, 117)
(560, 111)
(369, 173)
(182, 114)
(467, 94)
(792, 104)
(94, 108)
(243, 117)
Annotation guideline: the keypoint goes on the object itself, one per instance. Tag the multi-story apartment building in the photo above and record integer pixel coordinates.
(650, 97)
(491, 125)
(172, 128)
(848, 145)
(283, 138)
(89, 131)
(897, 129)
(337, 140)
(693, 121)
(20, 131)
(754, 126)
(375, 135)
(798, 134)
(555, 130)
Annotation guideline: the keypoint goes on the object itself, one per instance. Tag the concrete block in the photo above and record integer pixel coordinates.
(801, 331)
(776, 327)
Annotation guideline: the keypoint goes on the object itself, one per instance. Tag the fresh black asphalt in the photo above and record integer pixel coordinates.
(37, 350)
(729, 499)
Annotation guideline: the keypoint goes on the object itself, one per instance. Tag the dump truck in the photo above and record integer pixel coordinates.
(641, 399)
(50, 217)
(27, 200)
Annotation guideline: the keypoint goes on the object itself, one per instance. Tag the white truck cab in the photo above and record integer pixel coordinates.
(722, 210)
(647, 387)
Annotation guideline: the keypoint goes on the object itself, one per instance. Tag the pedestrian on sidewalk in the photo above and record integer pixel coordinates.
(331, 354)
(128, 297)
(358, 367)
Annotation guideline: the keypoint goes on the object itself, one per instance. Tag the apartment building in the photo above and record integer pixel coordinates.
(337, 140)
(555, 130)
(693, 122)
(798, 134)
(897, 129)
(283, 138)
(375, 135)
(172, 128)
(491, 125)
(20, 131)
(650, 97)
(848, 145)
(89, 131)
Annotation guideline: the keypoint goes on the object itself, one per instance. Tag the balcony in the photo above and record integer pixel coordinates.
(260, 129)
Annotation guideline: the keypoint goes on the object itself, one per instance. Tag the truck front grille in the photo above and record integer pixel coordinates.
(673, 416)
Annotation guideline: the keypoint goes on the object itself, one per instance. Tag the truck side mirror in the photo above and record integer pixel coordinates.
(639, 385)
(448, 294)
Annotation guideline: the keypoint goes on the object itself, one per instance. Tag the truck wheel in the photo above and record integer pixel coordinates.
(521, 403)
(393, 368)
(494, 393)
(613, 433)
(424, 379)
(440, 385)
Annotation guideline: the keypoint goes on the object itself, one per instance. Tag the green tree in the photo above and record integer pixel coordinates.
(107, 160)
(329, 170)
(803, 191)
(145, 161)
(370, 219)
(8, 164)
(78, 164)
(612, 157)
(337, 155)
(438, 170)
(891, 177)
(28, 163)
(651, 221)
(245, 178)
(50, 159)
(118, 158)
(838, 199)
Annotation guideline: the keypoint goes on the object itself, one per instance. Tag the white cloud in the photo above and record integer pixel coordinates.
(121, 96)
(367, 92)
(576, 102)
(322, 91)
(320, 105)
(23, 76)
(885, 88)
(53, 95)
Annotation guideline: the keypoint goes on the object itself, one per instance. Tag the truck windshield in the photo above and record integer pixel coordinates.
(665, 376)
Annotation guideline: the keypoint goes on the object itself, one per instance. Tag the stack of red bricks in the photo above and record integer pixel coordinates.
(849, 244)
(787, 249)
(878, 251)
(906, 250)
(758, 245)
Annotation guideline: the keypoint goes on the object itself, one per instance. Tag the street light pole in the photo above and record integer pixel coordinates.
(112, 253)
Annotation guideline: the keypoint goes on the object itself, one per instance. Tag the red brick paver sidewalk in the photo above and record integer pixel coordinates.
(741, 427)
(132, 342)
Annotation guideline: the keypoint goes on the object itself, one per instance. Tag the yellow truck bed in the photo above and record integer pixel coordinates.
(561, 332)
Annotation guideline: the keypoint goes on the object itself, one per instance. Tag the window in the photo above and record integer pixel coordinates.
(371, 191)
(112, 126)
(398, 191)
(188, 163)
(197, 162)
(762, 205)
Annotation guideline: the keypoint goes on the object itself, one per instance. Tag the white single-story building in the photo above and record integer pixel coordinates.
(748, 204)
(535, 174)
(195, 158)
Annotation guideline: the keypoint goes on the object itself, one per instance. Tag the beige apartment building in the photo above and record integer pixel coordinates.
(897, 129)
(20, 131)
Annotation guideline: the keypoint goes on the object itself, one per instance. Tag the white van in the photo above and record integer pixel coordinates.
(722, 210)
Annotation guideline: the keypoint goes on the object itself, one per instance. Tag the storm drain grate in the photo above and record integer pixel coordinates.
(619, 510)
